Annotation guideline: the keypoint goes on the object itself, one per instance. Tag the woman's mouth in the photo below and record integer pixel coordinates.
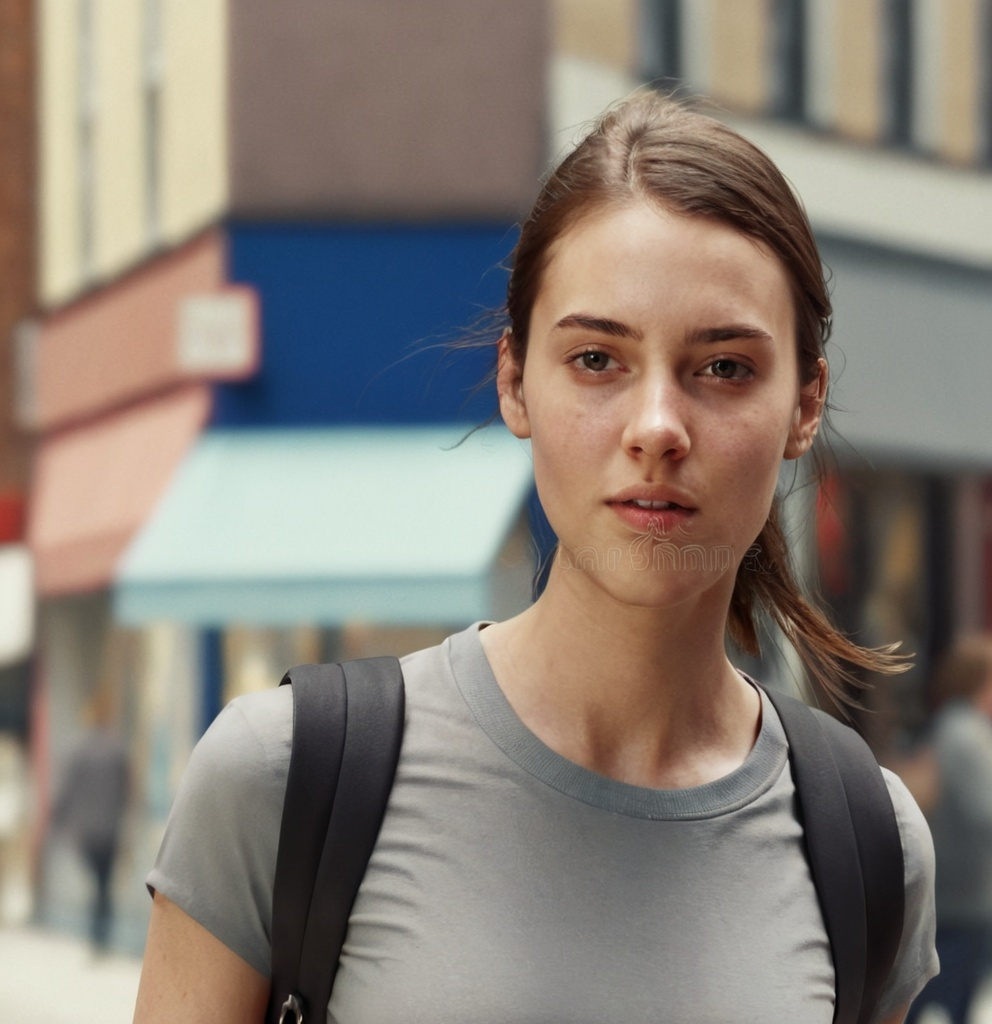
(639, 503)
(647, 516)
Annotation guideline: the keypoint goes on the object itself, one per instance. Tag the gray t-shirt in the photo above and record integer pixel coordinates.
(509, 884)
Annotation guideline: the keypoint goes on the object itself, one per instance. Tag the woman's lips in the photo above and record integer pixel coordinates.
(649, 516)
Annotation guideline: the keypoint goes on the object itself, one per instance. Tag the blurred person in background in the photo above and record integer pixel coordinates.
(960, 815)
(89, 809)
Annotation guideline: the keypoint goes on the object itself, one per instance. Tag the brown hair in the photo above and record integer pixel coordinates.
(652, 148)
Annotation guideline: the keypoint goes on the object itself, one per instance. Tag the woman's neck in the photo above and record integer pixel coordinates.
(643, 695)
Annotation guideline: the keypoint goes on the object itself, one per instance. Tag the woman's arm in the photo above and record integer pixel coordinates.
(191, 977)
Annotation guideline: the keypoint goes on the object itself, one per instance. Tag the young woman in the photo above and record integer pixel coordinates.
(593, 817)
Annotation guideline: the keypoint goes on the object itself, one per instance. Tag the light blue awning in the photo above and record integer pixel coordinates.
(327, 526)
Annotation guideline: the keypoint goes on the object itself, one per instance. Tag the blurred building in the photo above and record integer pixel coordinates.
(17, 234)
(260, 227)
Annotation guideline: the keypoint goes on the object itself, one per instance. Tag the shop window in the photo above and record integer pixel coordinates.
(898, 69)
(788, 59)
(984, 113)
(886, 568)
(256, 657)
(87, 110)
(661, 52)
(152, 78)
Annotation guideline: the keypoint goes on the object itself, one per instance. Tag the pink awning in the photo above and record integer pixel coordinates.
(95, 485)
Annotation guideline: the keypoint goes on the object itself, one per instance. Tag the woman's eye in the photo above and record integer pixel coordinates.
(728, 369)
(595, 361)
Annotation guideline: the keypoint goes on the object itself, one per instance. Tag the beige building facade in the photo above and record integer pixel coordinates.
(132, 115)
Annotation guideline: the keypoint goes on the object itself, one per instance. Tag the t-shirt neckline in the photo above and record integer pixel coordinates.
(495, 716)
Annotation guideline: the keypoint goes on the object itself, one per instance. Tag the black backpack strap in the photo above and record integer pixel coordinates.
(347, 730)
(854, 849)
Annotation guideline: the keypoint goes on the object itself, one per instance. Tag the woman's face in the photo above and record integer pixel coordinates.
(660, 392)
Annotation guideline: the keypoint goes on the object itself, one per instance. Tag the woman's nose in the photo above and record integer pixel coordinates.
(657, 425)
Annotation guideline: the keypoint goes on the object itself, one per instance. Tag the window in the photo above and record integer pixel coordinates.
(661, 37)
(912, 74)
(984, 112)
(898, 71)
(88, 104)
(788, 58)
(152, 65)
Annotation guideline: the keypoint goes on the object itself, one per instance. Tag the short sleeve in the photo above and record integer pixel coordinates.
(916, 961)
(218, 856)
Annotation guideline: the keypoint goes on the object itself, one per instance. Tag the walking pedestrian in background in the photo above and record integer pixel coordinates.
(89, 809)
(961, 822)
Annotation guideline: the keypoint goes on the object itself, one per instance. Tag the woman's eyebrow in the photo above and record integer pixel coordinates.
(618, 329)
(729, 332)
(599, 324)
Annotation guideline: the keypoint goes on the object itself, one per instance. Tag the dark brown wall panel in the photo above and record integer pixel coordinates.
(406, 109)
(16, 217)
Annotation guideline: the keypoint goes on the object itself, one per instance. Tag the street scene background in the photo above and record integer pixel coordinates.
(246, 251)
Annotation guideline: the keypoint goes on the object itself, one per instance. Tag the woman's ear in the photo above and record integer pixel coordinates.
(510, 389)
(809, 411)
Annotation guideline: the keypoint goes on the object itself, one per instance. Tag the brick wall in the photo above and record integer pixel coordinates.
(16, 218)
(392, 110)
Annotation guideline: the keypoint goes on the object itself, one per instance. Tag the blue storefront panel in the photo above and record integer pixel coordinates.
(357, 321)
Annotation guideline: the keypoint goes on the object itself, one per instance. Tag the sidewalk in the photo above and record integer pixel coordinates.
(52, 978)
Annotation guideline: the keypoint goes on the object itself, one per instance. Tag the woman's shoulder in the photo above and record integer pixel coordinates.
(253, 733)
(218, 854)
(241, 761)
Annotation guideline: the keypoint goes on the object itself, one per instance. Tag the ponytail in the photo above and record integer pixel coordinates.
(765, 581)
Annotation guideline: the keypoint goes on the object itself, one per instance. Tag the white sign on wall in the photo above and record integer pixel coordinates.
(217, 333)
(16, 603)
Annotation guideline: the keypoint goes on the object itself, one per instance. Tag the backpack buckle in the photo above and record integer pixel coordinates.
(292, 1011)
